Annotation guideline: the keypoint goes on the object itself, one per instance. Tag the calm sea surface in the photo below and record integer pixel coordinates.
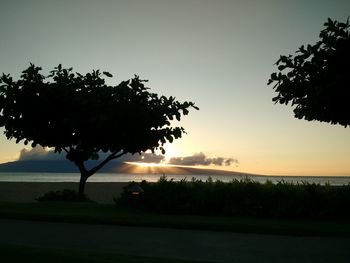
(105, 177)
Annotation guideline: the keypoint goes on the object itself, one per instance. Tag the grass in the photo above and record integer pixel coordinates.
(16, 253)
(92, 213)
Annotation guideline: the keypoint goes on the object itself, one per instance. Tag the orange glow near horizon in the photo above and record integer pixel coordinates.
(154, 168)
(149, 164)
(143, 168)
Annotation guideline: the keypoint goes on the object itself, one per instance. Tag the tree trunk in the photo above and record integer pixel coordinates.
(83, 178)
(85, 174)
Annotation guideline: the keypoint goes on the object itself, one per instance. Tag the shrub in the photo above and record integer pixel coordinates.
(241, 198)
(66, 195)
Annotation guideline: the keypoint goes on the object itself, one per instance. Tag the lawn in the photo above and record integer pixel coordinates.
(92, 213)
(15, 253)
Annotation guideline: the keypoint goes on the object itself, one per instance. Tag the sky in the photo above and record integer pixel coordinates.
(218, 54)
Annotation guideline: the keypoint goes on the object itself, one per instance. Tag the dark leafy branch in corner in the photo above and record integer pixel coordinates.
(81, 115)
(317, 79)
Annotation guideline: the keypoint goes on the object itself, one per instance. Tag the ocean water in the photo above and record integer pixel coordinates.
(110, 177)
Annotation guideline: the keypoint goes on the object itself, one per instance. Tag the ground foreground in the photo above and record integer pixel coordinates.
(92, 213)
(173, 243)
(26, 192)
(95, 232)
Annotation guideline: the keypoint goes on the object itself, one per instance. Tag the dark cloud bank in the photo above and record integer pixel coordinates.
(39, 153)
(202, 159)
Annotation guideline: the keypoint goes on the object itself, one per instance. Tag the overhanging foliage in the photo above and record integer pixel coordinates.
(316, 81)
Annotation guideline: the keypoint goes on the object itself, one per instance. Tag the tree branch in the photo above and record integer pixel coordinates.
(64, 149)
(112, 156)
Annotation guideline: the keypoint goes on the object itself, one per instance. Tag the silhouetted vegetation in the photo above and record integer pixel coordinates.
(316, 80)
(83, 116)
(241, 198)
(66, 195)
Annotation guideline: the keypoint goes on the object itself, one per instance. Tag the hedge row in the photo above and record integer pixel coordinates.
(240, 198)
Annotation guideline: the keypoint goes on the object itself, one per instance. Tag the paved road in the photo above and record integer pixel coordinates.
(172, 243)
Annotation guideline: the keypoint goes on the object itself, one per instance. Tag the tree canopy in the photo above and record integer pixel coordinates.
(316, 80)
(82, 115)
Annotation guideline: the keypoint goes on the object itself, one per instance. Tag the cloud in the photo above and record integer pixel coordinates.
(202, 159)
(40, 153)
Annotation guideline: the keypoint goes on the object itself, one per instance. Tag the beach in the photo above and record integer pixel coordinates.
(26, 192)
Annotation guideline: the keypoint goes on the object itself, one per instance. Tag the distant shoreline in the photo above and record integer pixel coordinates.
(154, 177)
(26, 192)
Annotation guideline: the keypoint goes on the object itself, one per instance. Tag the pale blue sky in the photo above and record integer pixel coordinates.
(218, 54)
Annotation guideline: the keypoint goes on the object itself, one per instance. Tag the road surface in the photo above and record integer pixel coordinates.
(172, 243)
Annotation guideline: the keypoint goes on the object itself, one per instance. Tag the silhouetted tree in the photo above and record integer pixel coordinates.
(317, 79)
(82, 115)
